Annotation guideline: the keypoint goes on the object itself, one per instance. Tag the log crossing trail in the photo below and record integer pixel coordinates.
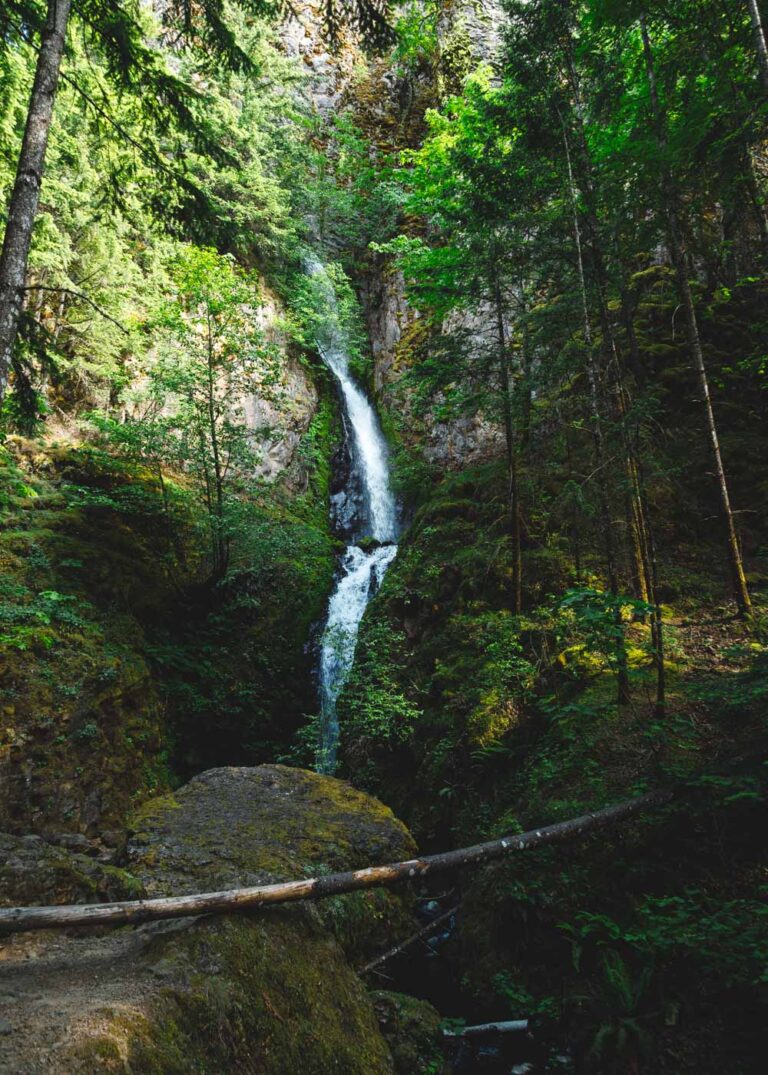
(17, 919)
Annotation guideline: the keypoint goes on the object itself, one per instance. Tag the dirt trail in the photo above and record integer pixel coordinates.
(53, 987)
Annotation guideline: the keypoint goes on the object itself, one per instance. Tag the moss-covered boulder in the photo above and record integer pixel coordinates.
(272, 991)
(413, 1032)
(233, 827)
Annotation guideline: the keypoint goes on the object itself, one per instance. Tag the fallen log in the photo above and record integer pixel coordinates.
(15, 919)
(509, 1026)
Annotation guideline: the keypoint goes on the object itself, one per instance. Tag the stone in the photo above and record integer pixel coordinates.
(272, 991)
(33, 871)
(73, 841)
(413, 1031)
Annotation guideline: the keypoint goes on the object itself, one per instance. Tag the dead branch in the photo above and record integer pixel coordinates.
(83, 298)
(425, 931)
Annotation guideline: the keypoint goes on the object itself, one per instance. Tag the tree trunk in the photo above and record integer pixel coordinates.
(760, 45)
(29, 175)
(597, 436)
(426, 931)
(755, 199)
(15, 919)
(221, 551)
(680, 261)
(657, 621)
(633, 508)
(513, 492)
(482, 1030)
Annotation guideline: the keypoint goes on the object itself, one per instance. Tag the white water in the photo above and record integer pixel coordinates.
(366, 508)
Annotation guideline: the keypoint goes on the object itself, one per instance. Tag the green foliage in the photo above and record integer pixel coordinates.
(323, 307)
(726, 939)
(373, 709)
(26, 619)
(109, 233)
(189, 411)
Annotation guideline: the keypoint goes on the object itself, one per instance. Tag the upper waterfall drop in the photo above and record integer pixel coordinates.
(365, 508)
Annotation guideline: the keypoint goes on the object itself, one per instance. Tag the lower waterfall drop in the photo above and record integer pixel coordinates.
(364, 512)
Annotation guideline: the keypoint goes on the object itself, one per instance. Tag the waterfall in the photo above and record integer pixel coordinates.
(363, 512)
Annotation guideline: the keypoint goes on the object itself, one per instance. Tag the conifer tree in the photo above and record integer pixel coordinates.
(131, 61)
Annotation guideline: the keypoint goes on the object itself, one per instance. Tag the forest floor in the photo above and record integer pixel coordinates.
(52, 985)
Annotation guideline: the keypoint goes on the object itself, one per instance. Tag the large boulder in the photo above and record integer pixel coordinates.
(272, 991)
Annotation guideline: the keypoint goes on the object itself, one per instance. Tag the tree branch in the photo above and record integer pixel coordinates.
(82, 297)
(425, 931)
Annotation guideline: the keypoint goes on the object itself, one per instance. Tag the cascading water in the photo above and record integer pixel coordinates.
(363, 510)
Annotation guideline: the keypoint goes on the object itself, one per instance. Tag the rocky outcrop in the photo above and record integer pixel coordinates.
(270, 992)
(468, 34)
(34, 870)
(281, 416)
(81, 721)
(398, 334)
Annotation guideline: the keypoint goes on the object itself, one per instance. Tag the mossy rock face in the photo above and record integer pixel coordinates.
(32, 872)
(270, 996)
(242, 826)
(272, 991)
(413, 1033)
(109, 618)
(234, 827)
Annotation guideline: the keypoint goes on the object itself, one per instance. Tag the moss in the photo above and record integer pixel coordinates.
(413, 1031)
(122, 670)
(282, 1001)
(34, 872)
(151, 810)
(496, 715)
(274, 991)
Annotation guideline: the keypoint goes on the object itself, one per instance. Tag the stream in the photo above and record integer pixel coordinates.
(364, 513)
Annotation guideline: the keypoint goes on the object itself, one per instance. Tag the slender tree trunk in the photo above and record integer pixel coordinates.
(636, 533)
(513, 492)
(635, 524)
(597, 435)
(760, 45)
(628, 307)
(680, 260)
(573, 529)
(757, 202)
(657, 621)
(526, 386)
(29, 174)
(743, 104)
(221, 552)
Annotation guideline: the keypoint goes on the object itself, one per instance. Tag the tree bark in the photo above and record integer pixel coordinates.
(29, 175)
(760, 45)
(15, 919)
(622, 668)
(613, 360)
(680, 261)
(513, 492)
